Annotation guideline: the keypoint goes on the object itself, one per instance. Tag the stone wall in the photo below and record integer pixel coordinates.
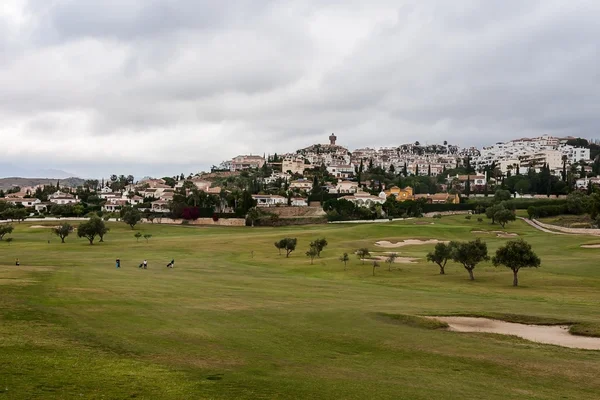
(296, 212)
(200, 221)
(431, 214)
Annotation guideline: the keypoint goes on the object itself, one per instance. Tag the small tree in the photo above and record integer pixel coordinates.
(9, 240)
(362, 254)
(375, 265)
(5, 229)
(503, 216)
(491, 211)
(319, 244)
(147, 236)
(289, 245)
(469, 254)
(131, 216)
(515, 255)
(92, 228)
(344, 258)
(501, 195)
(253, 214)
(63, 231)
(138, 235)
(102, 231)
(440, 255)
(278, 246)
(312, 253)
(391, 258)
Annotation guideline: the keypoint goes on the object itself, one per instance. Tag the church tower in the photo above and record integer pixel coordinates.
(332, 139)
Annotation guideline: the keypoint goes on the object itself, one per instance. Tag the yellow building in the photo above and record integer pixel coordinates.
(400, 194)
(408, 194)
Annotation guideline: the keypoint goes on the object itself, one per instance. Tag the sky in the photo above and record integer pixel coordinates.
(161, 87)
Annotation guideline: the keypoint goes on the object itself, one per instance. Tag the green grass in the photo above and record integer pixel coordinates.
(234, 320)
(412, 320)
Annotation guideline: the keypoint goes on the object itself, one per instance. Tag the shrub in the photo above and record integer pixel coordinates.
(467, 217)
(437, 216)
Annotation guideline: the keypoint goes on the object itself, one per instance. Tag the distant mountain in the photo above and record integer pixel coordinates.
(9, 183)
(11, 170)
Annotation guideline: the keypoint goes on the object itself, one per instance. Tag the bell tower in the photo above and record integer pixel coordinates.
(332, 139)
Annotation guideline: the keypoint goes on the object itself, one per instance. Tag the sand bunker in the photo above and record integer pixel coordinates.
(408, 242)
(590, 246)
(558, 334)
(398, 260)
(500, 234)
(42, 226)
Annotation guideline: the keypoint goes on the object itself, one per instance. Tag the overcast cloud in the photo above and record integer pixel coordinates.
(157, 87)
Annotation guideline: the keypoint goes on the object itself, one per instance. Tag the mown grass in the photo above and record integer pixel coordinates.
(412, 320)
(234, 319)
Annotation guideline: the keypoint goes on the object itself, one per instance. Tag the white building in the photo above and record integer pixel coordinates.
(267, 200)
(63, 198)
(25, 202)
(302, 184)
(299, 202)
(341, 171)
(345, 187)
(363, 199)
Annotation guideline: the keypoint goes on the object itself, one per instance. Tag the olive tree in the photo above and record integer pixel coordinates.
(289, 245)
(391, 258)
(319, 244)
(344, 258)
(515, 255)
(5, 229)
(375, 265)
(63, 231)
(138, 235)
(469, 254)
(312, 253)
(92, 228)
(363, 253)
(491, 212)
(131, 216)
(440, 255)
(503, 216)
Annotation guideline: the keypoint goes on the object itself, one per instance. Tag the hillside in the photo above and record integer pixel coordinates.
(7, 183)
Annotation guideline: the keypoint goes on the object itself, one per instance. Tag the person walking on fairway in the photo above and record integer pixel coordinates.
(171, 264)
(118, 263)
(17, 263)
(145, 264)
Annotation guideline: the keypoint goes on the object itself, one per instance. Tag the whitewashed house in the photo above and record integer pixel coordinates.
(345, 187)
(63, 198)
(299, 202)
(30, 202)
(268, 200)
(363, 199)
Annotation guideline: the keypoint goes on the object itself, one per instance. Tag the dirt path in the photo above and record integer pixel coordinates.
(536, 226)
(558, 334)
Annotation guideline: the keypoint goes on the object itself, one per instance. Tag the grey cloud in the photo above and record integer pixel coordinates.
(209, 79)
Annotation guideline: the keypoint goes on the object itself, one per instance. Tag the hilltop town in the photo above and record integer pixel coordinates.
(310, 177)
